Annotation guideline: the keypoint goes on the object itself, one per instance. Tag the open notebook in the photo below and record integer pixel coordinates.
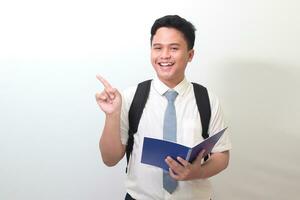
(155, 151)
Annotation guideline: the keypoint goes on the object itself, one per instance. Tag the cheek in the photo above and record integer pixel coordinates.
(153, 58)
(180, 58)
(184, 58)
(153, 63)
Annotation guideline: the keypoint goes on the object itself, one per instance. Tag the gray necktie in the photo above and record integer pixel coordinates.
(169, 131)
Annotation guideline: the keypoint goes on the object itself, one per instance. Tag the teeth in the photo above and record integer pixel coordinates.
(165, 64)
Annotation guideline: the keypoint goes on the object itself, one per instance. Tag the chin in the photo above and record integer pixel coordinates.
(166, 79)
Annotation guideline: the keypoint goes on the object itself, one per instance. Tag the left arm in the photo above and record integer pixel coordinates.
(189, 171)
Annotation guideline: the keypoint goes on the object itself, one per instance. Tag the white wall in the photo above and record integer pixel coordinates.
(50, 51)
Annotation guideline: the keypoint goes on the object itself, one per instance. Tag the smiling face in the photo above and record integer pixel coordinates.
(170, 55)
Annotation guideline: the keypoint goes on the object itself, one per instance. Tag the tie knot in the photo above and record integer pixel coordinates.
(171, 95)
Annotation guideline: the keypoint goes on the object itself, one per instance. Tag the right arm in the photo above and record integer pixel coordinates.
(110, 101)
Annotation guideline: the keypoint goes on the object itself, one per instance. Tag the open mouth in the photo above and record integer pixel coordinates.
(166, 64)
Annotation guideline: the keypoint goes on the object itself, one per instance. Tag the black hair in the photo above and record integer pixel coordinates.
(180, 24)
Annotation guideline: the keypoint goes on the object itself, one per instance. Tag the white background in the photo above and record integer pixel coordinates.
(247, 51)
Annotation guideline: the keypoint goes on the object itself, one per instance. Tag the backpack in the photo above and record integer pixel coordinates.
(139, 102)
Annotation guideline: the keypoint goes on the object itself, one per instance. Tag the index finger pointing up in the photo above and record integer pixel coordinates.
(104, 82)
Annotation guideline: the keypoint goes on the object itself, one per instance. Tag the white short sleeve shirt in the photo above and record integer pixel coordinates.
(144, 182)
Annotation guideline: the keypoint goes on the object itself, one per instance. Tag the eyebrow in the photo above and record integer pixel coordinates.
(172, 44)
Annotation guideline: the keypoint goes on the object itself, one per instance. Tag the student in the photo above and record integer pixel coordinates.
(172, 41)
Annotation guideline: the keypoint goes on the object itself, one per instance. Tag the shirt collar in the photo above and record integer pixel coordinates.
(161, 88)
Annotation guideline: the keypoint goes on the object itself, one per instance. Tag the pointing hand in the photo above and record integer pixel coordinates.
(109, 100)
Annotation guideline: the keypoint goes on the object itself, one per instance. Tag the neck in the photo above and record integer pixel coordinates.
(171, 83)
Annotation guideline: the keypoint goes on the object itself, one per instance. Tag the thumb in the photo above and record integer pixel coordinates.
(199, 157)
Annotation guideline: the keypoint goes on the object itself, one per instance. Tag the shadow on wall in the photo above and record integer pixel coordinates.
(261, 101)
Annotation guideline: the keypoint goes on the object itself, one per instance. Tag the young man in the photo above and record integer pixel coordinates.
(172, 41)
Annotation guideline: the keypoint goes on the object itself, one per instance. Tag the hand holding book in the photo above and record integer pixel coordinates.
(155, 151)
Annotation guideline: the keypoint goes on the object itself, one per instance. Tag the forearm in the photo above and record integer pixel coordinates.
(214, 165)
(111, 147)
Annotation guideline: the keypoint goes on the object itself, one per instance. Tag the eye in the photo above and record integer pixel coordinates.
(157, 48)
(174, 48)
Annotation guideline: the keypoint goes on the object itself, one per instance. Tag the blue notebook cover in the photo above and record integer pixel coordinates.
(155, 151)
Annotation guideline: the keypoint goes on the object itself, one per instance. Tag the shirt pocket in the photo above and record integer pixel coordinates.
(191, 132)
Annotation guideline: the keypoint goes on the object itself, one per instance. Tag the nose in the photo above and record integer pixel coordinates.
(165, 54)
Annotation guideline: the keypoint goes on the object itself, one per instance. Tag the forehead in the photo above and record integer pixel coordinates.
(166, 35)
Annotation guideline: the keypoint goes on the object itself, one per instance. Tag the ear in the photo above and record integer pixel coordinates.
(191, 55)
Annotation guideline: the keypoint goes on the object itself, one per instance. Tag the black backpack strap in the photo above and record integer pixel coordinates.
(135, 113)
(203, 104)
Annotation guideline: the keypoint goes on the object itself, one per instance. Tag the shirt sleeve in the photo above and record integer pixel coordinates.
(127, 97)
(217, 123)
